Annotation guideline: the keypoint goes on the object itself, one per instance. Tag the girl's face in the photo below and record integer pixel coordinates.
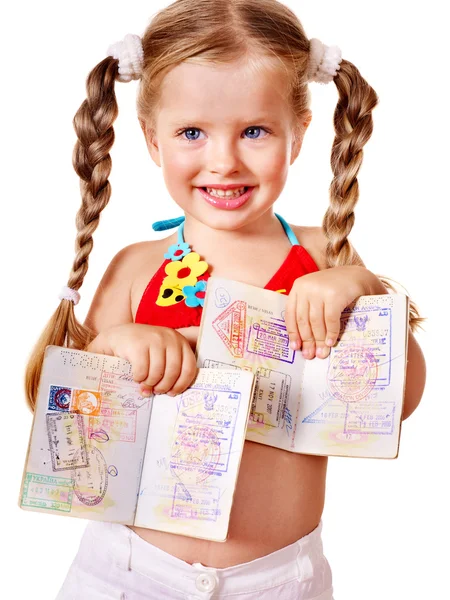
(223, 125)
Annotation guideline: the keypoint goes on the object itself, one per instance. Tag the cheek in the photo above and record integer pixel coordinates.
(273, 167)
(178, 161)
(178, 171)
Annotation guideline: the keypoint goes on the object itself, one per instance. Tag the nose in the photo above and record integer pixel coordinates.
(223, 157)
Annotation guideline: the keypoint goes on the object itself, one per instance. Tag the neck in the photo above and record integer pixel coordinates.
(207, 241)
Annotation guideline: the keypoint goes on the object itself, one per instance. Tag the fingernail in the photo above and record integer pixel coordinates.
(306, 353)
(329, 342)
(319, 351)
(295, 345)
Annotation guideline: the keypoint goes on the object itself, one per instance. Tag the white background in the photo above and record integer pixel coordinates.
(386, 523)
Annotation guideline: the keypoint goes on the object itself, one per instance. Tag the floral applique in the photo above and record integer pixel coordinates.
(191, 291)
(177, 251)
(181, 282)
(185, 272)
(169, 296)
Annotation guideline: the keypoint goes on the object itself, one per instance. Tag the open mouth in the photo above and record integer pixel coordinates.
(245, 190)
(227, 202)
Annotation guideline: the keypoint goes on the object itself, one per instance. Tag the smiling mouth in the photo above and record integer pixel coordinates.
(246, 188)
(227, 202)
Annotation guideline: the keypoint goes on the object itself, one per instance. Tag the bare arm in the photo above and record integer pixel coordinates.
(111, 304)
(191, 334)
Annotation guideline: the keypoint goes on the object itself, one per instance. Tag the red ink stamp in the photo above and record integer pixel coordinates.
(230, 327)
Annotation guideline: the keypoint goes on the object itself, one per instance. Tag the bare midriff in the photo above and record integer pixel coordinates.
(279, 498)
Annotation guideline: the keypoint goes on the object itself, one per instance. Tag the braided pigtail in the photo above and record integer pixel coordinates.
(91, 160)
(353, 125)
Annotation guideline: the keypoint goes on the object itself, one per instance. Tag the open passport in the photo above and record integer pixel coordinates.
(99, 450)
(349, 404)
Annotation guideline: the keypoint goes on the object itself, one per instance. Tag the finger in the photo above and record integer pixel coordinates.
(157, 353)
(290, 320)
(317, 320)
(333, 325)
(304, 327)
(188, 372)
(172, 368)
(139, 366)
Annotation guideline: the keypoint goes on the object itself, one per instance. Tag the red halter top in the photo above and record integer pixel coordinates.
(178, 314)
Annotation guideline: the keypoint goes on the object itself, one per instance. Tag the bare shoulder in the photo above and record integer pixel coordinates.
(314, 240)
(112, 304)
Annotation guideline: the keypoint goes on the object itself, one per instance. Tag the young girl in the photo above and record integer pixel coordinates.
(224, 105)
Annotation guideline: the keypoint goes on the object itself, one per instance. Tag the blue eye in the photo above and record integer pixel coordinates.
(192, 129)
(256, 128)
(188, 129)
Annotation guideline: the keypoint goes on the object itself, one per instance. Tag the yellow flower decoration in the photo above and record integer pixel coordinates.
(185, 272)
(168, 296)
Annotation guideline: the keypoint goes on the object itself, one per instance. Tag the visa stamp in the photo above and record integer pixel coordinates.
(200, 504)
(86, 402)
(371, 326)
(270, 396)
(269, 338)
(120, 391)
(195, 453)
(230, 327)
(90, 484)
(67, 441)
(46, 491)
(352, 373)
(374, 417)
(209, 363)
(59, 398)
(204, 429)
(222, 297)
(113, 424)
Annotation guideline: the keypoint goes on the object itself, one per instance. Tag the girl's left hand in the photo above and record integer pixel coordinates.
(315, 303)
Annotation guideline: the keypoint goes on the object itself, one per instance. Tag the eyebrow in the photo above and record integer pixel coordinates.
(188, 120)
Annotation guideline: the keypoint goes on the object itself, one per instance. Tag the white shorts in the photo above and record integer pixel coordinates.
(113, 562)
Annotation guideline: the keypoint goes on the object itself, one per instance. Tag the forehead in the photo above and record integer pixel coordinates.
(226, 92)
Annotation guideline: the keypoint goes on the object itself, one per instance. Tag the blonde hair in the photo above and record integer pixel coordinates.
(264, 33)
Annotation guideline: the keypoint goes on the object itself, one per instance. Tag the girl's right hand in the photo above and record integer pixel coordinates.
(161, 358)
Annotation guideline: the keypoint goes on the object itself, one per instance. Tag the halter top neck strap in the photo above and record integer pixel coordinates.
(179, 222)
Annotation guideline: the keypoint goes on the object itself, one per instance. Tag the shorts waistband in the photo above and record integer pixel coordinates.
(130, 551)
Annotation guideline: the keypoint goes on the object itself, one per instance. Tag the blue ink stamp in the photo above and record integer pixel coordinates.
(59, 398)
(223, 298)
(376, 418)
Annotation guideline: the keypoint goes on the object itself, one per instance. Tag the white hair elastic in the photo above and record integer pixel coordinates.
(324, 61)
(68, 293)
(130, 54)
(323, 64)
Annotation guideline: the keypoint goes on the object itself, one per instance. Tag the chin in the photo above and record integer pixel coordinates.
(227, 220)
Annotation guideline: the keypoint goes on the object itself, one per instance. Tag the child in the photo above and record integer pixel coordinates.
(223, 104)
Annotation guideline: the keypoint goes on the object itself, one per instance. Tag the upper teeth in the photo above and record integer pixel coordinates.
(225, 193)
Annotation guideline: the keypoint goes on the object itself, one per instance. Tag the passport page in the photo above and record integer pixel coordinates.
(193, 453)
(348, 404)
(88, 438)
